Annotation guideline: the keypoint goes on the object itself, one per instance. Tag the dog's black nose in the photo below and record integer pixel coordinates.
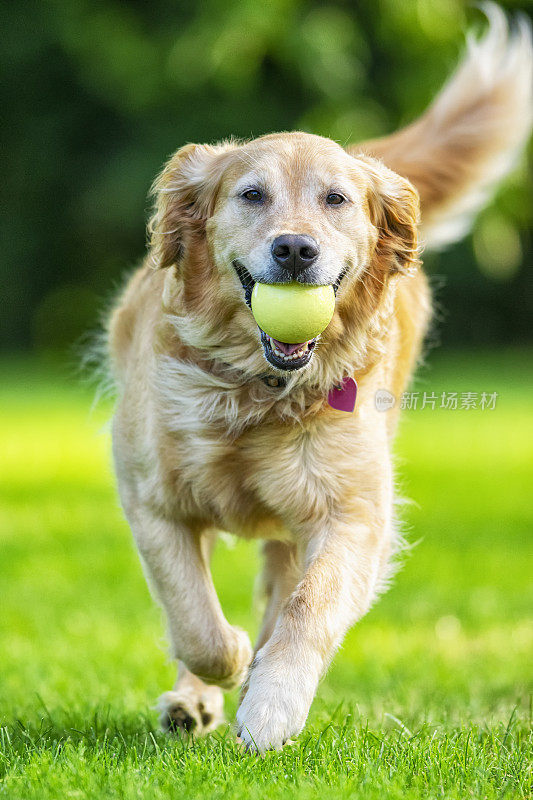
(295, 252)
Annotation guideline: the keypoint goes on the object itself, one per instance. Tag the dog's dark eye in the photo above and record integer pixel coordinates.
(334, 199)
(253, 195)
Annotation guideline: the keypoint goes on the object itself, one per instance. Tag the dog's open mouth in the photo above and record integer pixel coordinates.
(287, 356)
(281, 355)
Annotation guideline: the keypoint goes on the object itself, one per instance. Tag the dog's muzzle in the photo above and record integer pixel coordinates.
(282, 355)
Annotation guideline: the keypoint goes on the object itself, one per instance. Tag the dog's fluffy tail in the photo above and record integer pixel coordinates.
(470, 136)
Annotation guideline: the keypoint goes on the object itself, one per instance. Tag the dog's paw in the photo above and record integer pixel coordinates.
(268, 723)
(228, 666)
(274, 708)
(240, 661)
(184, 711)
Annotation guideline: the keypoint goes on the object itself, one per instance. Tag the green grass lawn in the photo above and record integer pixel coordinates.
(429, 697)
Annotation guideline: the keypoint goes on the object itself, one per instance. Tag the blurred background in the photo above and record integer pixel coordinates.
(96, 95)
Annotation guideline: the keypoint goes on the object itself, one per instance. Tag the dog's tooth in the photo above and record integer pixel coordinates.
(293, 356)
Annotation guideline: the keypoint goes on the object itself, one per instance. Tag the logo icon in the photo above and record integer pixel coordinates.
(384, 400)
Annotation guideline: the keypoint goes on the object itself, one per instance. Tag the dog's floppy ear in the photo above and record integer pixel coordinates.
(185, 195)
(394, 211)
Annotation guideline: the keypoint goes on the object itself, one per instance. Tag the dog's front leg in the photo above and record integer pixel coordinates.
(176, 562)
(343, 562)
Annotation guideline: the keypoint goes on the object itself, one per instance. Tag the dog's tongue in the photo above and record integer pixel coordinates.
(288, 349)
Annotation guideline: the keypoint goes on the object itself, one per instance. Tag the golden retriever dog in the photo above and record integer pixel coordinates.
(220, 427)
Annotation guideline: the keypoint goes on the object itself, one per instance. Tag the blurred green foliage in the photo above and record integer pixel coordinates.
(96, 95)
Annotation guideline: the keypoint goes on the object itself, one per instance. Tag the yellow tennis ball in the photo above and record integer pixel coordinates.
(292, 312)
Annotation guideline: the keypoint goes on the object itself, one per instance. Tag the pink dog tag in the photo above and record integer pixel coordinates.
(343, 397)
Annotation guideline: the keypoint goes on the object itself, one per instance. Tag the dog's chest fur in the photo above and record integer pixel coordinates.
(273, 476)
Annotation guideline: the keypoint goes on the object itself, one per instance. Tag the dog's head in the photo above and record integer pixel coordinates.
(281, 208)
